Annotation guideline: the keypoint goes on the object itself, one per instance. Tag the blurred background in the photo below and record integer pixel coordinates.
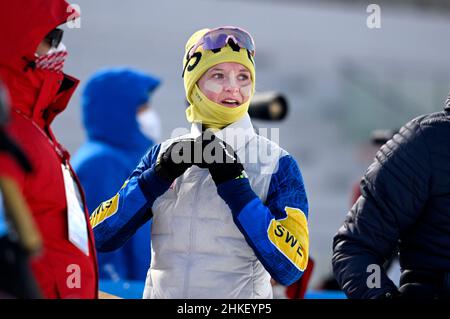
(341, 78)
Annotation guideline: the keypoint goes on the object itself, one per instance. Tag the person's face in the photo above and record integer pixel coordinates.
(143, 108)
(53, 38)
(43, 48)
(228, 84)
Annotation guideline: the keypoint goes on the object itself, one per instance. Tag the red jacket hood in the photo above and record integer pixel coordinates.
(24, 25)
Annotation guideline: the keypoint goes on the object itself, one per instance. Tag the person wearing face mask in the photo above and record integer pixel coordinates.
(31, 66)
(121, 127)
(228, 207)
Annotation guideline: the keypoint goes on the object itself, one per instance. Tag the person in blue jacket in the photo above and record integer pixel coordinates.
(115, 108)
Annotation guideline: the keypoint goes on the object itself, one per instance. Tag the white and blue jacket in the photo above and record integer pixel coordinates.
(215, 242)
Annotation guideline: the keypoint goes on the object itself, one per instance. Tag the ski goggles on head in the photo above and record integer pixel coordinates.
(218, 38)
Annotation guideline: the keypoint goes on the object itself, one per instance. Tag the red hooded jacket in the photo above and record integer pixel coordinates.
(37, 96)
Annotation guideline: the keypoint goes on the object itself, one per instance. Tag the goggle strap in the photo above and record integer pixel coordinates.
(233, 44)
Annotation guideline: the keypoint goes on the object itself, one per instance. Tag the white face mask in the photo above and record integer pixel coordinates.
(150, 124)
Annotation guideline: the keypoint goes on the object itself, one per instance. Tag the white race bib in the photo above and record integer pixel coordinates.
(78, 230)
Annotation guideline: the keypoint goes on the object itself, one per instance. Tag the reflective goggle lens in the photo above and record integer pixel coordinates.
(218, 38)
(54, 37)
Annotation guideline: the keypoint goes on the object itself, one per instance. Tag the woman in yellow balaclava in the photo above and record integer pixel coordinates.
(229, 207)
(197, 64)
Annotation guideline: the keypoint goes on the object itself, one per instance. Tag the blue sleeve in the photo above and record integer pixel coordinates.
(277, 230)
(118, 218)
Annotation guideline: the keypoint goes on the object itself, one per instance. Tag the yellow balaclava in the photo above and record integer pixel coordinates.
(202, 109)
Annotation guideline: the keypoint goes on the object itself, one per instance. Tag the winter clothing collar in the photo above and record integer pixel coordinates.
(213, 115)
(237, 134)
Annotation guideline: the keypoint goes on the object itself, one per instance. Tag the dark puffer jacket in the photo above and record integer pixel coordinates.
(405, 203)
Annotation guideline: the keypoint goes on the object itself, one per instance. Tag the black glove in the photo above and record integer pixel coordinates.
(175, 160)
(220, 159)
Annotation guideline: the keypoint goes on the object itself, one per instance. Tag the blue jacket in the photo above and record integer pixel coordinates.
(113, 148)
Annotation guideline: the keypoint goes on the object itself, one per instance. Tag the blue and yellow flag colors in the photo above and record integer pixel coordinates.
(291, 237)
